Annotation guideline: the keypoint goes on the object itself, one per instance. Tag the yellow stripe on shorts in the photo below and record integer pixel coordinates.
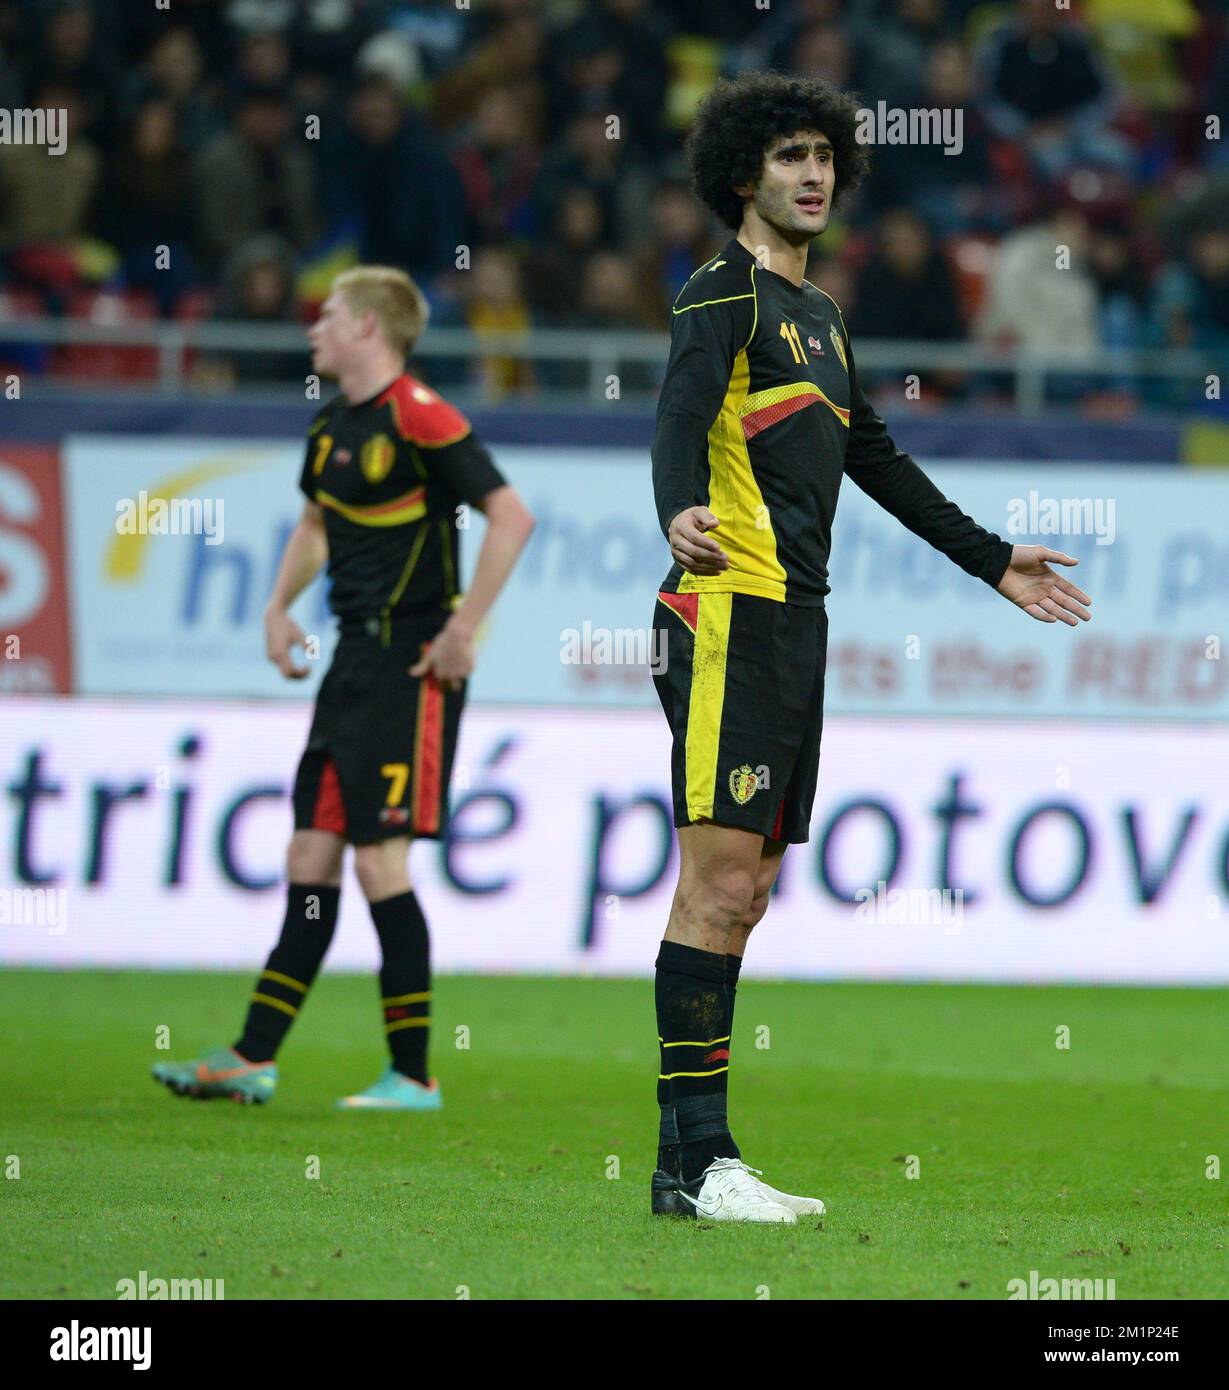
(707, 698)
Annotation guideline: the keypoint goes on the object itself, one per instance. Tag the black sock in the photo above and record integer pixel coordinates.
(311, 915)
(405, 981)
(733, 964)
(668, 1125)
(691, 1022)
(668, 1128)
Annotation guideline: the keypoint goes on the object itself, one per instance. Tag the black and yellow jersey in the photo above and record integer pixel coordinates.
(760, 415)
(390, 474)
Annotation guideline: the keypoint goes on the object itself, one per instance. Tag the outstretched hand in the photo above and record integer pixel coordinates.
(1032, 585)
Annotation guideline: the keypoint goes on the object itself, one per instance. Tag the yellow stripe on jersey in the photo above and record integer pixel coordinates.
(802, 392)
(712, 641)
(704, 303)
(745, 532)
(395, 512)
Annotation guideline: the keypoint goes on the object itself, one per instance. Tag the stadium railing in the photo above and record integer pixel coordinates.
(600, 357)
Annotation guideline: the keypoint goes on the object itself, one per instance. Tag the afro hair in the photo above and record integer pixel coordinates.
(741, 117)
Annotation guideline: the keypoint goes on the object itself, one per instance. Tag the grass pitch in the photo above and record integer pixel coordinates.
(1089, 1162)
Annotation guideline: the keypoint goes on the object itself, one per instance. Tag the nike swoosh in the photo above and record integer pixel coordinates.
(707, 1211)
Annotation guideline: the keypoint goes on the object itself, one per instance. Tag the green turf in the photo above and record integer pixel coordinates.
(1083, 1163)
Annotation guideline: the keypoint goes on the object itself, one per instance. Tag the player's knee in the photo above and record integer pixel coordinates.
(313, 858)
(381, 869)
(755, 913)
(721, 898)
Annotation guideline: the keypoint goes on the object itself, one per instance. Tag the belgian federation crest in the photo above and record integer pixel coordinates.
(376, 458)
(838, 344)
(743, 784)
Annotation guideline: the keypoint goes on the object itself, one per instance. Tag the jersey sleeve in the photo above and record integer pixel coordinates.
(466, 468)
(705, 338)
(895, 481)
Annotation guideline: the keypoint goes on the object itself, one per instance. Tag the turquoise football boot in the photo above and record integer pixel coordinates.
(221, 1072)
(395, 1092)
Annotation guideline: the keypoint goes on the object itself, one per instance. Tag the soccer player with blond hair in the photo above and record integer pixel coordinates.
(390, 468)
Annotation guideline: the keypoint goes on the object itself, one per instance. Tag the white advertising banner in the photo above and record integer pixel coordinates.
(153, 834)
(909, 632)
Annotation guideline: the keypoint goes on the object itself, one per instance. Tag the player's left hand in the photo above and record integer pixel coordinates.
(1032, 585)
(449, 658)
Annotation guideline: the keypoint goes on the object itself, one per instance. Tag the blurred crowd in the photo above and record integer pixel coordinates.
(226, 157)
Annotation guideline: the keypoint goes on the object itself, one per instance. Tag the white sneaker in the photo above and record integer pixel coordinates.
(800, 1206)
(727, 1191)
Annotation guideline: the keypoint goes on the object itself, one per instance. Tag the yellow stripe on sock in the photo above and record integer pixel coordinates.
(406, 999)
(275, 1004)
(407, 1023)
(709, 1043)
(670, 1075)
(278, 978)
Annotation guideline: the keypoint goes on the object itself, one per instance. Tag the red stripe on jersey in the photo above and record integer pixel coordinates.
(421, 415)
(687, 606)
(429, 756)
(329, 812)
(773, 414)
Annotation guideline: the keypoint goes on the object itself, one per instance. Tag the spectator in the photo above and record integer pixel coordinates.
(45, 199)
(146, 204)
(590, 159)
(255, 177)
(680, 241)
(614, 56)
(388, 172)
(70, 53)
(494, 303)
(173, 68)
(1044, 86)
(906, 290)
(497, 157)
(510, 49)
(894, 41)
(1033, 303)
(954, 192)
(555, 266)
(257, 288)
(1122, 286)
(1192, 298)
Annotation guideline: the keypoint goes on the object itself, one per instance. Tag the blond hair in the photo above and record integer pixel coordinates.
(400, 307)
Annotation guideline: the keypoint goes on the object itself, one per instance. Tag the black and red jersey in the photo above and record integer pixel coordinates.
(395, 476)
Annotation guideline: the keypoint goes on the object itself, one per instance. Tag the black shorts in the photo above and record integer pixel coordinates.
(379, 755)
(743, 691)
